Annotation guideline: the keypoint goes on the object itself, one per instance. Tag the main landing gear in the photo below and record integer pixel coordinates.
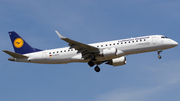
(91, 64)
(159, 56)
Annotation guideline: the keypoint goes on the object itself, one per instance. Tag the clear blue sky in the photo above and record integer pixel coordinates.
(143, 78)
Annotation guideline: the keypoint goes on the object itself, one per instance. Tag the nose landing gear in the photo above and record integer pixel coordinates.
(159, 56)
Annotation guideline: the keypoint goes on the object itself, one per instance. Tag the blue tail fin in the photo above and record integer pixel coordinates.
(20, 45)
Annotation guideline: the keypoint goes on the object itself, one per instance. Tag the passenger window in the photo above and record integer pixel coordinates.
(117, 43)
(114, 43)
(49, 52)
(64, 50)
(109, 44)
(129, 42)
(53, 52)
(101, 45)
(106, 44)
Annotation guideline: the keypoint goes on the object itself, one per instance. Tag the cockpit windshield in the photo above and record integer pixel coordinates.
(164, 37)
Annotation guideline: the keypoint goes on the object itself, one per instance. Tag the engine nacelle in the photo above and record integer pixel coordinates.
(108, 52)
(111, 52)
(117, 61)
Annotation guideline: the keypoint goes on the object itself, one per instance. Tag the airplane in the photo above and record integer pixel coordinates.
(109, 52)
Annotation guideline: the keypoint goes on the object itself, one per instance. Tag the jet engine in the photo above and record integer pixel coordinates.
(108, 52)
(117, 61)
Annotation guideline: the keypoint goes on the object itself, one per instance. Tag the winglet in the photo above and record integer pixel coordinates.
(62, 37)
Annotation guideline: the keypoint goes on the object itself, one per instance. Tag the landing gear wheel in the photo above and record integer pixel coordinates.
(97, 69)
(159, 57)
(91, 64)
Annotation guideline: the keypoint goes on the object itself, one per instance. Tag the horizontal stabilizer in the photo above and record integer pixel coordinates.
(15, 55)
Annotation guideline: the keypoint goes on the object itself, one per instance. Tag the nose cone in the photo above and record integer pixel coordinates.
(174, 43)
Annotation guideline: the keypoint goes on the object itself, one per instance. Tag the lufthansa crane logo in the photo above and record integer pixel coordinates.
(18, 42)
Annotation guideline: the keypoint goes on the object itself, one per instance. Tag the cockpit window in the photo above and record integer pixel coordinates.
(164, 37)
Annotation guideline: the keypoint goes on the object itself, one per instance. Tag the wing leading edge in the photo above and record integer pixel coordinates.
(85, 49)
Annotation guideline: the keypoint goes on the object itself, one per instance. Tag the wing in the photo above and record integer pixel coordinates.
(85, 49)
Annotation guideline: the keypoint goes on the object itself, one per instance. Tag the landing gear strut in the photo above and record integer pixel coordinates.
(159, 56)
(94, 58)
(97, 69)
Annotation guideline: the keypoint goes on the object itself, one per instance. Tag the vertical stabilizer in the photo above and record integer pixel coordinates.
(20, 45)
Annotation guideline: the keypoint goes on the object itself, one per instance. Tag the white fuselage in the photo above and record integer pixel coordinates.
(127, 46)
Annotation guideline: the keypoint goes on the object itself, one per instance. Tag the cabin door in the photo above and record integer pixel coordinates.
(154, 40)
(44, 55)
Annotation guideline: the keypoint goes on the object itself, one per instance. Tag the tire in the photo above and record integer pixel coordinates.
(91, 64)
(97, 69)
(159, 57)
